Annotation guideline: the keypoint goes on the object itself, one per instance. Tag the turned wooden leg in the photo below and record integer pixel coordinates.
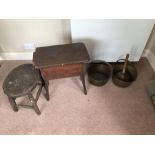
(34, 105)
(13, 104)
(38, 93)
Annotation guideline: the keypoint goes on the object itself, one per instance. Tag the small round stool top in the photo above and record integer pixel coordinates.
(21, 80)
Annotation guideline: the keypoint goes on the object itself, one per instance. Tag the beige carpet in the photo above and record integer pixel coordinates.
(105, 110)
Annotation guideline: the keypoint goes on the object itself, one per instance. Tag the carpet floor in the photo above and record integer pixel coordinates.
(104, 110)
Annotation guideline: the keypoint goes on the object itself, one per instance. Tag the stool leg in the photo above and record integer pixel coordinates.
(82, 76)
(38, 93)
(13, 104)
(83, 82)
(32, 100)
(46, 86)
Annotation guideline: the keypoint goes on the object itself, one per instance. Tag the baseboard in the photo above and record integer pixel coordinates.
(29, 56)
(151, 59)
(16, 56)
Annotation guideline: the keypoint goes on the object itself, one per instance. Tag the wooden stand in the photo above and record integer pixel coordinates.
(62, 61)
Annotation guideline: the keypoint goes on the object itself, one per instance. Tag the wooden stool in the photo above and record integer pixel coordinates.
(21, 81)
(60, 61)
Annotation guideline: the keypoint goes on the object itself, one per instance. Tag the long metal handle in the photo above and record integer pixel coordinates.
(125, 64)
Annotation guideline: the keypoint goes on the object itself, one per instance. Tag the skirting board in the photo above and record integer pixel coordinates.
(151, 59)
(16, 56)
(29, 56)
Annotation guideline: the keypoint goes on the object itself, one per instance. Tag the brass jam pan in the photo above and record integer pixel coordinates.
(130, 70)
(99, 72)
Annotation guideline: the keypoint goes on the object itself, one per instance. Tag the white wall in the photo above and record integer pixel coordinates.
(112, 39)
(150, 49)
(43, 32)
(151, 42)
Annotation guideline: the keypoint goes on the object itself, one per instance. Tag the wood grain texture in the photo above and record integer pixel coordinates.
(60, 54)
(61, 61)
(60, 71)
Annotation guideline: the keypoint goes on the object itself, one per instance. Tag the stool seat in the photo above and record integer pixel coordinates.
(20, 82)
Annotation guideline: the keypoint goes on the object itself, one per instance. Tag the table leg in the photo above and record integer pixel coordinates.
(84, 85)
(46, 86)
(13, 104)
(82, 76)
